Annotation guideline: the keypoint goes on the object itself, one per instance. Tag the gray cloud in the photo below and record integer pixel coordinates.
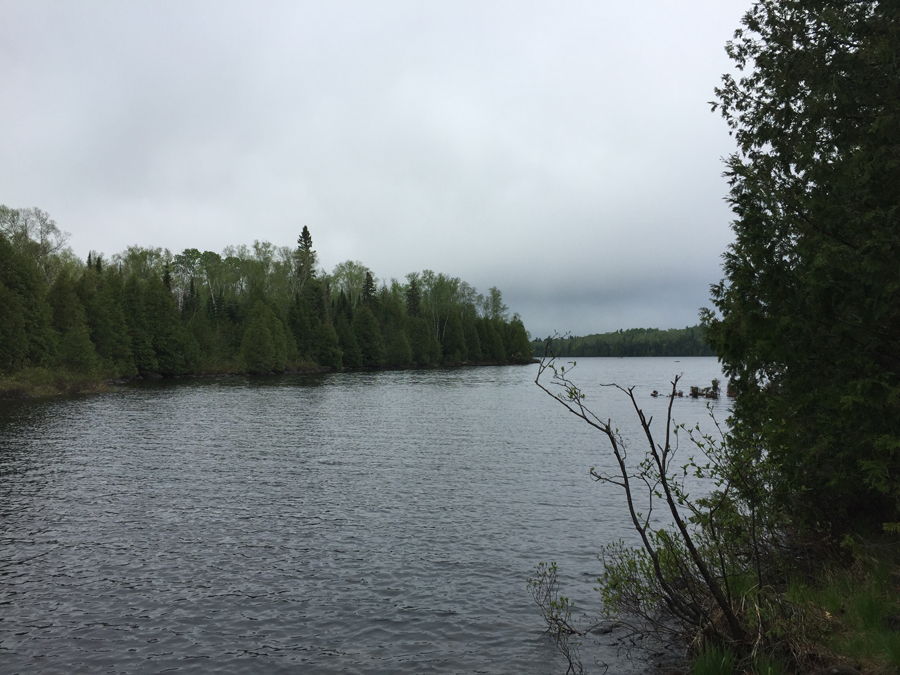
(564, 152)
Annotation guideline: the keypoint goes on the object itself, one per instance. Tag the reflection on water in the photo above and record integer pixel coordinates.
(365, 522)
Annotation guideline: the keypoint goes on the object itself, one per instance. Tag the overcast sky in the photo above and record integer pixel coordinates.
(562, 151)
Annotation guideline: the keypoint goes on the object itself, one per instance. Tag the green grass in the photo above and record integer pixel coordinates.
(854, 604)
(767, 665)
(714, 661)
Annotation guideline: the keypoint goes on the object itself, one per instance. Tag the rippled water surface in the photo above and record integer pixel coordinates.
(364, 522)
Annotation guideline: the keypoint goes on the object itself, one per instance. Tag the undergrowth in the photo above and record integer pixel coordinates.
(860, 604)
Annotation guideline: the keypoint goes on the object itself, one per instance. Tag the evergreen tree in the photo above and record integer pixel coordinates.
(106, 322)
(76, 351)
(23, 279)
(136, 322)
(304, 334)
(399, 353)
(426, 350)
(454, 347)
(350, 352)
(492, 343)
(368, 337)
(368, 291)
(175, 349)
(808, 326)
(328, 349)
(518, 346)
(413, 296)
(265, 346)
(13, 336)
(473, 343)
(258, 347)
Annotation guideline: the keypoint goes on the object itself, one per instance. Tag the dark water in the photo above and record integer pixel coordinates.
(357, 523)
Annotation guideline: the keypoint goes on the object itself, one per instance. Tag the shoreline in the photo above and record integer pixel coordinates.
(41, 383)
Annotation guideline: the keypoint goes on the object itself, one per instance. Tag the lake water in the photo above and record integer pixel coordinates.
(348, 522)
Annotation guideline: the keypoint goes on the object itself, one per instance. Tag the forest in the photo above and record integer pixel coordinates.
(689, 341)
(255, 310)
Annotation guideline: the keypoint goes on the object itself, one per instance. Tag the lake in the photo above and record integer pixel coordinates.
(348, 522)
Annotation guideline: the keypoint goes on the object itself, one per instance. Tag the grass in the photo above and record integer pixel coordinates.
(714, 661)
(861, 608)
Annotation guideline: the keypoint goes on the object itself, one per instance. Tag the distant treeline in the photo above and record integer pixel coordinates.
(632, 342)
(252, 309)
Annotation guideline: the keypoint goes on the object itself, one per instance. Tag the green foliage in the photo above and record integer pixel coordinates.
(491, 342)
(399, 353)
(424, 345)
(13, 336)
(368, 337)
(328, 349)
(688, 341)
(714, 661)
(517, 345)
(101, 297)
(22, 278)
(454, 348)
(351, 353)
(136, 322)
(174, 347)
(764, 664)
(413, 296)
(76, 351)
(807, 326)
(250, 309)
(473, 342)
(856, 606)
(265, 346)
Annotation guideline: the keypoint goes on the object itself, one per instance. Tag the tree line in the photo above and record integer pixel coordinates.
(256, 309)
(689, 341)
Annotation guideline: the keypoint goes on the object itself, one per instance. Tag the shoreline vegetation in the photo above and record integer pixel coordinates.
(43, 383)
(688, 341)
(786, 560)
(68, 325)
